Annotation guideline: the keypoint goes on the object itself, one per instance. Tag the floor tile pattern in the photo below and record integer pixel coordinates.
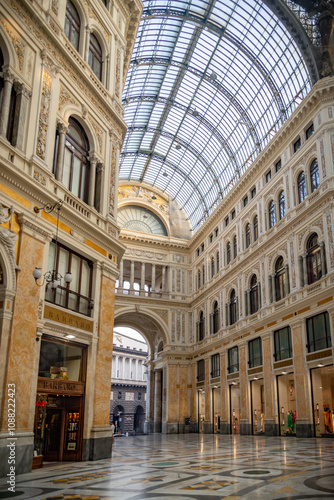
(191, 467)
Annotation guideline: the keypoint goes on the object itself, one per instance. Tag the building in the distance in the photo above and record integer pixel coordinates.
(128, 384)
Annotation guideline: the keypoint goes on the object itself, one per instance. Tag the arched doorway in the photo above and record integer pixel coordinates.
(139, 420)
(118, 419)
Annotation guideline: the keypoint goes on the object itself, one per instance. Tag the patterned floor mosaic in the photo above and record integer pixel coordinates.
(191, 467)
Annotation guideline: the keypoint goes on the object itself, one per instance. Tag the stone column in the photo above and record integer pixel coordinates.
(62, 131)
(302, 391)
(121, 272)
(301, 271)
(163, 279)
(248, 302)
(132, 274)
(287, 280)
(100, 438)
(224, 425)
(207, 425)
(228, 313)
(22, 97)
(272, 290)
(245, 425)
(92, 177)
(271, 429)
(87, 41)
(22, 357)
(322, 258)
(150, 391)
(157, 401)
(142, 277)
(5, 104)
(183, 398)
(305, 277)
(99, 187)
(173, 407)
(194, 400)
(153, 278)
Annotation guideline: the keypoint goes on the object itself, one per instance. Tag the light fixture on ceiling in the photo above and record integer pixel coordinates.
(145, 216)
(256, 378)
(283, 373)
(69, 336)
(51, 278)
(320, 365)
(154, 197)
(213, 76)
(178, 146)
(165, 174)
(195, 112)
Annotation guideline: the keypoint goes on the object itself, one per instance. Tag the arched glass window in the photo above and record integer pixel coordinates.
(212, 267)
(76, 163)
(254, 299)
(217, 262)
(215, 318)
(256, 227)
(200, 326)
(235, 249)
(228, 253)
(233, 308)
(72, 24)
(301, 185)
(314, 272)
(271, 214)
(281, 205)
(280, 278)
(248, 235)
(95, 56)
(314, 174)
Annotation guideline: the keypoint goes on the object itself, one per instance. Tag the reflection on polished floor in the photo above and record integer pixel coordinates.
(192, 467)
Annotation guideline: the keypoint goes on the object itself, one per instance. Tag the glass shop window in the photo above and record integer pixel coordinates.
(61, 361)
(318, 332)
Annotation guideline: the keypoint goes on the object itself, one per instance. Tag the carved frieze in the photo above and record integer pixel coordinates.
(322, 157)
(98, 132)
(18, 44)
(39, 177)
(65, 98)
(118, 73)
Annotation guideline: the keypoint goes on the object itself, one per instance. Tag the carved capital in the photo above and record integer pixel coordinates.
(20, 88)
(61, 127)
(8, 76)
(93, 159)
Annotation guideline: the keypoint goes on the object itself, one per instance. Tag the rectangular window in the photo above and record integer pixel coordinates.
(268, 176)
(202, 247)
(283, 347)
(245, 201)
(227, 220)
(296, 145)
(309, 131)
(200, 370)
(77, 294)
(233, 214)
(318, 332)
(278, 165)
(215, 366)
(255, 352)
(253, 192)
(211, 238)
(233, 360)
(198, 252)
(216, 232)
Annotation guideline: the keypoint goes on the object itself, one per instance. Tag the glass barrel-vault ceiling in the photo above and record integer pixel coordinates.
(209, 84)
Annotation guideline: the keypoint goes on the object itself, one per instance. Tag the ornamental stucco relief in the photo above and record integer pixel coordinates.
(44, 114)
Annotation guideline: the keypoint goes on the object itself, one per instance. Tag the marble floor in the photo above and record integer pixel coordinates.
(191, 467)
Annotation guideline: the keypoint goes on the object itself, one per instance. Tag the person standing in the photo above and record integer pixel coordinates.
(112, 431)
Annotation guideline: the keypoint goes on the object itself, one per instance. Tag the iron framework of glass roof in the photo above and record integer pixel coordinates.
(209, 84)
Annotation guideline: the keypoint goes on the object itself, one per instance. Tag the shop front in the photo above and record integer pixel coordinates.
(235, 408)
(257, 405)
(322, 379)
(59, 409)
(287, 404)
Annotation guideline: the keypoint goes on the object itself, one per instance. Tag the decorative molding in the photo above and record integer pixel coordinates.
(19, 46)
(44, 114)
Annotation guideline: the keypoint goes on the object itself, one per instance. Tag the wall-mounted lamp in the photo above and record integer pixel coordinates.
(51, 278)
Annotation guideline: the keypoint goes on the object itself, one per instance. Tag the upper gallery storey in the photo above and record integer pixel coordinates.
(58, 135)
(289, 178)
(91, 41)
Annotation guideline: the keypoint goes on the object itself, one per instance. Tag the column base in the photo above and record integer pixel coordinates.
(207, 428)
(303, 428)
(18, 455)
(225, 427)
(245, 427)
(170, 428)
(270, 428)
(149, 428)
(99, 445)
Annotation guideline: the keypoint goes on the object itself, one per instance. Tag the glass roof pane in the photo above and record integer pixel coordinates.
(213, 77)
